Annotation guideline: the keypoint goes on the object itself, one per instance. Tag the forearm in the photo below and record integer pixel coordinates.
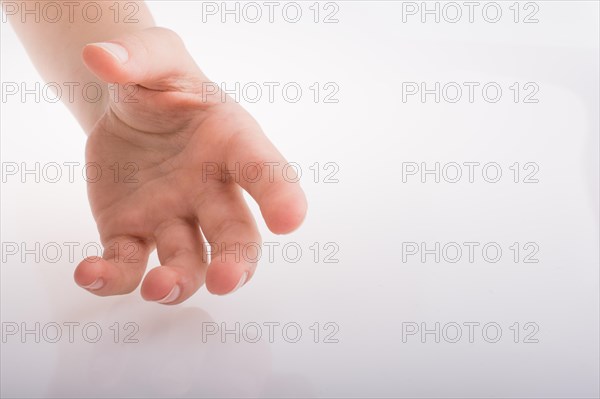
(54, 42)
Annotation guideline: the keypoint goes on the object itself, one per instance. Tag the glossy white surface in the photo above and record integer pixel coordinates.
(370, 295)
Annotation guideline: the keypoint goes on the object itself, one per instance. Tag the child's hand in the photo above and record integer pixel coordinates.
(158, 149)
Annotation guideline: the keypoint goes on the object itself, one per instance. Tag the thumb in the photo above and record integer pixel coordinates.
(155, 58)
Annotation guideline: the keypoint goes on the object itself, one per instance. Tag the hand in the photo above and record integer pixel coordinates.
(164, 145)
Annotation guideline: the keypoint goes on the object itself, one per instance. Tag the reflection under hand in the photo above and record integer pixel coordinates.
(169, 358)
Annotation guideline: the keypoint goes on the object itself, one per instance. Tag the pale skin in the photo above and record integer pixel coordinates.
(160, 118)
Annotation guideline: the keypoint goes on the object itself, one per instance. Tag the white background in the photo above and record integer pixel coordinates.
(369, 133)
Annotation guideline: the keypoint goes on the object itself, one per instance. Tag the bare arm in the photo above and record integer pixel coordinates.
(55, 34)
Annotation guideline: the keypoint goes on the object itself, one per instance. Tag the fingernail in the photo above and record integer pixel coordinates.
(171, 296)
(116, 50)
(97, 284)
(240, 283)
